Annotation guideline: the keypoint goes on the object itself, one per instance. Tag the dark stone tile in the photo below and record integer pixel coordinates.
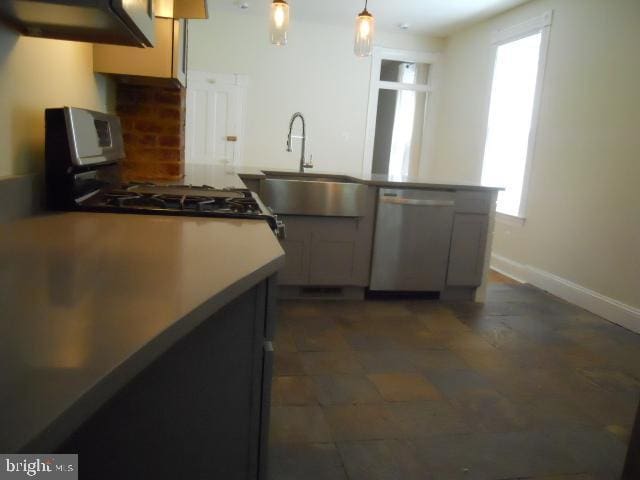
(305, 461)
(496, 456)
(298, 424)
(469, 342)
(596, 451)
(404, 387)
(371, 309)
(480, 355)
(361, 422)
(554, 357)
(454, 383)
(487, 411)
(536, 388)
(387, 361)
(613, 380)
(420, 419)
(423, 338)
(328, 340)
(329, 363)
(359, 340)
(383, 460)
(296, 309)
(520, 382)
(314, 324)
(345, 389)
(443, 320)
(287, 363)
(612, 411)
(284, 340)
(578, 476)
(298, 390)
(544, 412)
(441, 360)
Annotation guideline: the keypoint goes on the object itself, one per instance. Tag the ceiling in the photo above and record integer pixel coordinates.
(424, 17)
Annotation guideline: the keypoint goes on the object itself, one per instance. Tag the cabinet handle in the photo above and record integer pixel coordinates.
(232, 138)
(418, 203)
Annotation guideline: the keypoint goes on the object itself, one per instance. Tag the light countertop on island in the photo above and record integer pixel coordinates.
(90, 299)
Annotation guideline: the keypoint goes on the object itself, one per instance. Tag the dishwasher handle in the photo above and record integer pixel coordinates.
(416, 202)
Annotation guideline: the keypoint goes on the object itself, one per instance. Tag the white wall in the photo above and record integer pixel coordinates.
(317, 74)
(36, 74)
(583, 217)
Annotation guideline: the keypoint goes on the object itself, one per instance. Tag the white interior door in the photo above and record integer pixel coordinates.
(215, 117)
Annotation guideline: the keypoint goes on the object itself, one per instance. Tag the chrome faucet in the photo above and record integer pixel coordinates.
(303, 163)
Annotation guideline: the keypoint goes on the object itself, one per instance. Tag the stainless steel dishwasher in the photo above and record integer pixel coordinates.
(412, 240)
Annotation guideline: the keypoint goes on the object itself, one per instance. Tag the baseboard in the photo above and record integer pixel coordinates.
(606, 307)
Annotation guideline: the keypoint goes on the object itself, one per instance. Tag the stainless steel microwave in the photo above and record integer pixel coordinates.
(120, 22)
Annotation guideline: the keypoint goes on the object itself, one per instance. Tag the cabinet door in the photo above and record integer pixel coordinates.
(194, 413)
(333, 251)
(468, 243)
(296, 246)
(154, 62)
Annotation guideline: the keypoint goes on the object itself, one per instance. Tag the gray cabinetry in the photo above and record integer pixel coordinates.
(327, 251)
(201, 410)
(330, 245)
(468, 244)
(469, 238)
(297, 247)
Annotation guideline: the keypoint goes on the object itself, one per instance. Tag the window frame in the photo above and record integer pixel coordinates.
(375, 85)
(540, 24)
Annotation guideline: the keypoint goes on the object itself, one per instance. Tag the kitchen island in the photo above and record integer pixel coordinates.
(115, 324)
(348, 235)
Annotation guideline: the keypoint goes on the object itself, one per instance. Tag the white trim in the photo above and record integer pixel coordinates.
(507, 219)
(606, 307)
(375, 84)
(384, 85)
(523, 29)
(540, 24)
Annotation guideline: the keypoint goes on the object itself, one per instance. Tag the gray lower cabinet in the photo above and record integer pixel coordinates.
(199, 411)
(327, 251)
(467, 254)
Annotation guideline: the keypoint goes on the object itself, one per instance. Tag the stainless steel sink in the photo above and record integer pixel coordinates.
(313, 194)
(308, 177)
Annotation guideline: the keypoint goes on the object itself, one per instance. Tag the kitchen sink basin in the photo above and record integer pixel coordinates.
(313, 194)
(309, 177)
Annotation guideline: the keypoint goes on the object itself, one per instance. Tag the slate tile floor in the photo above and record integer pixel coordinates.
(525, 386)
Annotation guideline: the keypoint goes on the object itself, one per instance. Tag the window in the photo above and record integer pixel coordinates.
(400, 85)
(513, 109)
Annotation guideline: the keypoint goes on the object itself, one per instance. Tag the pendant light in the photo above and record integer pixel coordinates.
(279, 22)
(365, 25)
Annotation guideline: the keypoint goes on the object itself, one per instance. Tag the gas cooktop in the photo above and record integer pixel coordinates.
(187, 200)
(84, 151)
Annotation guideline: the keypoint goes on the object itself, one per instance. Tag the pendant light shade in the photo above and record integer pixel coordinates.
(365, 28)
(279, 22)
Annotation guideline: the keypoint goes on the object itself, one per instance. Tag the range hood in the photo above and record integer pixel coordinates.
(120, 22)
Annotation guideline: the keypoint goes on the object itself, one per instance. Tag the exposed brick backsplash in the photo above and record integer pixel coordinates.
(153, 120)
